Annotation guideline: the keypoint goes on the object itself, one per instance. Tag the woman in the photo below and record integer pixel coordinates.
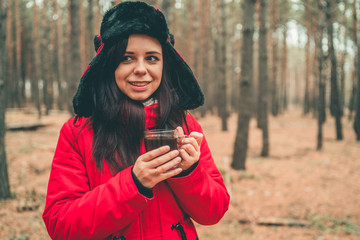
(103, 184)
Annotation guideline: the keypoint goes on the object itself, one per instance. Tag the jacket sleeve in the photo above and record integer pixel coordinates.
(202, 194)
(72, 210)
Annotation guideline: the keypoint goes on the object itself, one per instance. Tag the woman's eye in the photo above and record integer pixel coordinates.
(152, 59)
(127, 59)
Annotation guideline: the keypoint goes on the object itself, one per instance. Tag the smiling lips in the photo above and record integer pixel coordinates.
(140, 83)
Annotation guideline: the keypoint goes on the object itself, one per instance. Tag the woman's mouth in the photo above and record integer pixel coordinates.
(139, 84)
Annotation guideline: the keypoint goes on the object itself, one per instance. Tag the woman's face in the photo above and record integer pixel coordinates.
(139, 74)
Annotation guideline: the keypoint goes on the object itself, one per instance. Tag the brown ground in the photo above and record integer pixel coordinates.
(295, 182)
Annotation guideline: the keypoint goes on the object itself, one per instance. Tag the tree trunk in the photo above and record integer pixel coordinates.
(189, 31)
(195, 29)
(10, 62)
(205, 54)
(59, 57)
(84, 61)
(357, 66)
(222, 92)
(210, 90)
(352, 104)
(90, 26)
(274, 75)
(357, 109)
(334, 93)
(75, 67)
(321, 82)
(26, 45)
(314, 65)
(343, 59)
(353, 91)
(234, 55)
(306, 104)
(284, 65)
(216, 56)
(4, 178)
(246, 92)
(37, 61)
(263, 79)
(46, 53)
(166, 8)
(18, 80)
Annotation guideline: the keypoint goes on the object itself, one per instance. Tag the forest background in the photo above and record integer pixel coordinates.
(261, 64)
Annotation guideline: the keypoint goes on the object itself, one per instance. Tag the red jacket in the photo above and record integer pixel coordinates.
(82, 203)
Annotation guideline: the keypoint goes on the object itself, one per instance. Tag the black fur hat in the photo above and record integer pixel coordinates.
(119, 22)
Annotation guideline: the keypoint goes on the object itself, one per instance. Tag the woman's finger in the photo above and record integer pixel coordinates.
(170, 173)
(191, 141)
(160, 160)
(148, 156)
(198, 137)
(169, 165)
(190, 149)
(180, 131)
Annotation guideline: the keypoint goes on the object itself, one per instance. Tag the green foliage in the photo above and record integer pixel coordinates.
(22, 237)
(334, 225)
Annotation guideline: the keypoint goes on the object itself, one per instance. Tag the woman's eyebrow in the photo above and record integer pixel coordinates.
(147, 53)
(153, 52)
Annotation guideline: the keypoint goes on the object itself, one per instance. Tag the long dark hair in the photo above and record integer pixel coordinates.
(118, 122)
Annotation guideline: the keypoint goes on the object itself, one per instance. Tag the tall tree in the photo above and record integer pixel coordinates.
(355, 72)
(10, 62)
(205, 45)
(4, 178)
(321, 82)
(246, 91)
(90, 33)
(334, 93)
(307, 17)
(263, 79)
(274, 72)
(18, 83)
(284, 59)
(343, 55)
(234, 55)
(75, 67)
(357, 96)
(195, 30)
(37, 60)
(59, 55)
(26, 50)
(189, 14)
(222, 89)
(166, 8)
(83, 40)
(46, 53)
(215, 26)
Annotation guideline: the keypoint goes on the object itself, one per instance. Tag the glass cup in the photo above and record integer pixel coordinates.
(160, 137)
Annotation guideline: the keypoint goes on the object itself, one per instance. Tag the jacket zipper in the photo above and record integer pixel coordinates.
(180, 229)
(141, 227)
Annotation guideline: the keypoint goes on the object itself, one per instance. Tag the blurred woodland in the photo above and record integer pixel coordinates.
(251, 57)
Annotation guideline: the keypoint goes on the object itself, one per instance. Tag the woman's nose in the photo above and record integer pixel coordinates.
(140, 68)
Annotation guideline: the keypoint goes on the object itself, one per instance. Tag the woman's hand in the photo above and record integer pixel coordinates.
(189, 148)
(156, 165)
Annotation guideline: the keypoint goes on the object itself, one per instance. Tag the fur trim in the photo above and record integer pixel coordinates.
(119, 22)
